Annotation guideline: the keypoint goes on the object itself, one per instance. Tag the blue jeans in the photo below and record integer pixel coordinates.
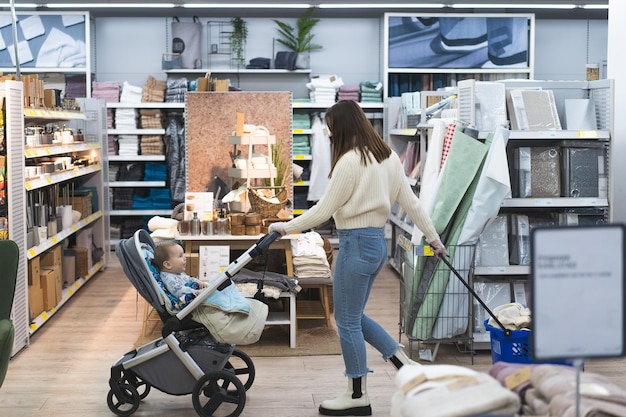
(362, 253)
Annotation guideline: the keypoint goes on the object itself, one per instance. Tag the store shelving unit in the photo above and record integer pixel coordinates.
(373, 111)
(117, 214)
(19, 187)
(398, 140)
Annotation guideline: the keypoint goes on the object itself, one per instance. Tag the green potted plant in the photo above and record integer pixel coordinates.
(238, 40)
(300, 38)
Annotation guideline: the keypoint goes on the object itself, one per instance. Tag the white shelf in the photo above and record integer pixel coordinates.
(323, 106)
(45, 114)
(135, 131)
(502, 270)
(563, 202)
(458, 70)
(136, 158)
(145, 105)
(403, 132)
(140, 212)
(41, 70)
(301, 183)
(302, 131)
(558, 134)
(66, 294)
(252, 140)
(277, 319)
(50, 150)
(63, 234)
(303, 157)
(122, 184)
(55, 178)
(252, 173)
(214, 71)
(402, 225)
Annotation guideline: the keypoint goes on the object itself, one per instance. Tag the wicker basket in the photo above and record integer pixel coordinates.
(265, 208)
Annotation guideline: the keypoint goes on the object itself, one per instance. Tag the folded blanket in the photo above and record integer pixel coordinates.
(233, 328)
(598, 396)
(450, 391)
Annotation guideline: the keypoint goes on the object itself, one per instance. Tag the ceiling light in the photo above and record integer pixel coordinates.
(245, 6)
(511, 6)
(109, 5)
(381, 6)
(596, 6)
(25, 5)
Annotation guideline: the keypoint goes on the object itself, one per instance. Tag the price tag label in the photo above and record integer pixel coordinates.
(588, 134)
(298, 131)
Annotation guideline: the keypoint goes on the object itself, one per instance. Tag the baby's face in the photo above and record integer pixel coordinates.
(177, 260)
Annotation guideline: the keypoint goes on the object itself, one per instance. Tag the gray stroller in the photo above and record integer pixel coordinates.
(186, 359)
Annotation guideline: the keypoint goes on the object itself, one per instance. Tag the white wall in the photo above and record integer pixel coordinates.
(617, 71)
(130, 49)
(564, 47)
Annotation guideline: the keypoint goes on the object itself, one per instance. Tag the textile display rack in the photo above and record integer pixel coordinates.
(437, 308)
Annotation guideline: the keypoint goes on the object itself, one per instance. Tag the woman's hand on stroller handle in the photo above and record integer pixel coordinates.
(438, 248)
(278, 227)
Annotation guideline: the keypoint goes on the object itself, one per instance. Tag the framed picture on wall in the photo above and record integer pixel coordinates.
(462, 42)
(45, 40)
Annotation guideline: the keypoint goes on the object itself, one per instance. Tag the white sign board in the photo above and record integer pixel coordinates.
(577, 292)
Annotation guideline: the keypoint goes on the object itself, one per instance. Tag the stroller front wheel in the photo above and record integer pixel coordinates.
(219, 390)
(124, 402)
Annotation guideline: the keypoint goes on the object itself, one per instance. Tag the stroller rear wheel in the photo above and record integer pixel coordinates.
(124, 402)
(142, 387)
(241, 364)
(219, 390)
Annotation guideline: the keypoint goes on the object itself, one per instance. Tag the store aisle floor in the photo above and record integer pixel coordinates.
(65, 370)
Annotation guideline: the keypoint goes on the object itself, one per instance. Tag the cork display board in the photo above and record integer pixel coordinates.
(212, 118)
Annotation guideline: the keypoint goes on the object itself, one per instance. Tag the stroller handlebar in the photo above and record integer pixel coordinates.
(263, 243)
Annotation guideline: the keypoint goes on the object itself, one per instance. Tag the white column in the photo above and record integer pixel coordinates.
(616, 70)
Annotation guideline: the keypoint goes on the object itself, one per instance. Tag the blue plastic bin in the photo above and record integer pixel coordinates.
(512, 349)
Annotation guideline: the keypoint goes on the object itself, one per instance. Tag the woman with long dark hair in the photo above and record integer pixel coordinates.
(366, 179)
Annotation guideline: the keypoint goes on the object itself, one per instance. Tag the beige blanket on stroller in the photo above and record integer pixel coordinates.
(235, 328)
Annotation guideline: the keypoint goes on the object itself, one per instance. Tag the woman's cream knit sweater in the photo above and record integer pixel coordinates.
(360, 196)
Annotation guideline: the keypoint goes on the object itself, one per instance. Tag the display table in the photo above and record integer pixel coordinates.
(305, 310)
(244, 242)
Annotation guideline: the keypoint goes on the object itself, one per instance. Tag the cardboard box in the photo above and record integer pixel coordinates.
(58, 283)
(83, 205)
(51, 257)
(35, 300)
(191, 268)
(33, 272)
(48, 285)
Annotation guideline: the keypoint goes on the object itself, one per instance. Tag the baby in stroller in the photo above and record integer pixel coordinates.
(228, 315)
